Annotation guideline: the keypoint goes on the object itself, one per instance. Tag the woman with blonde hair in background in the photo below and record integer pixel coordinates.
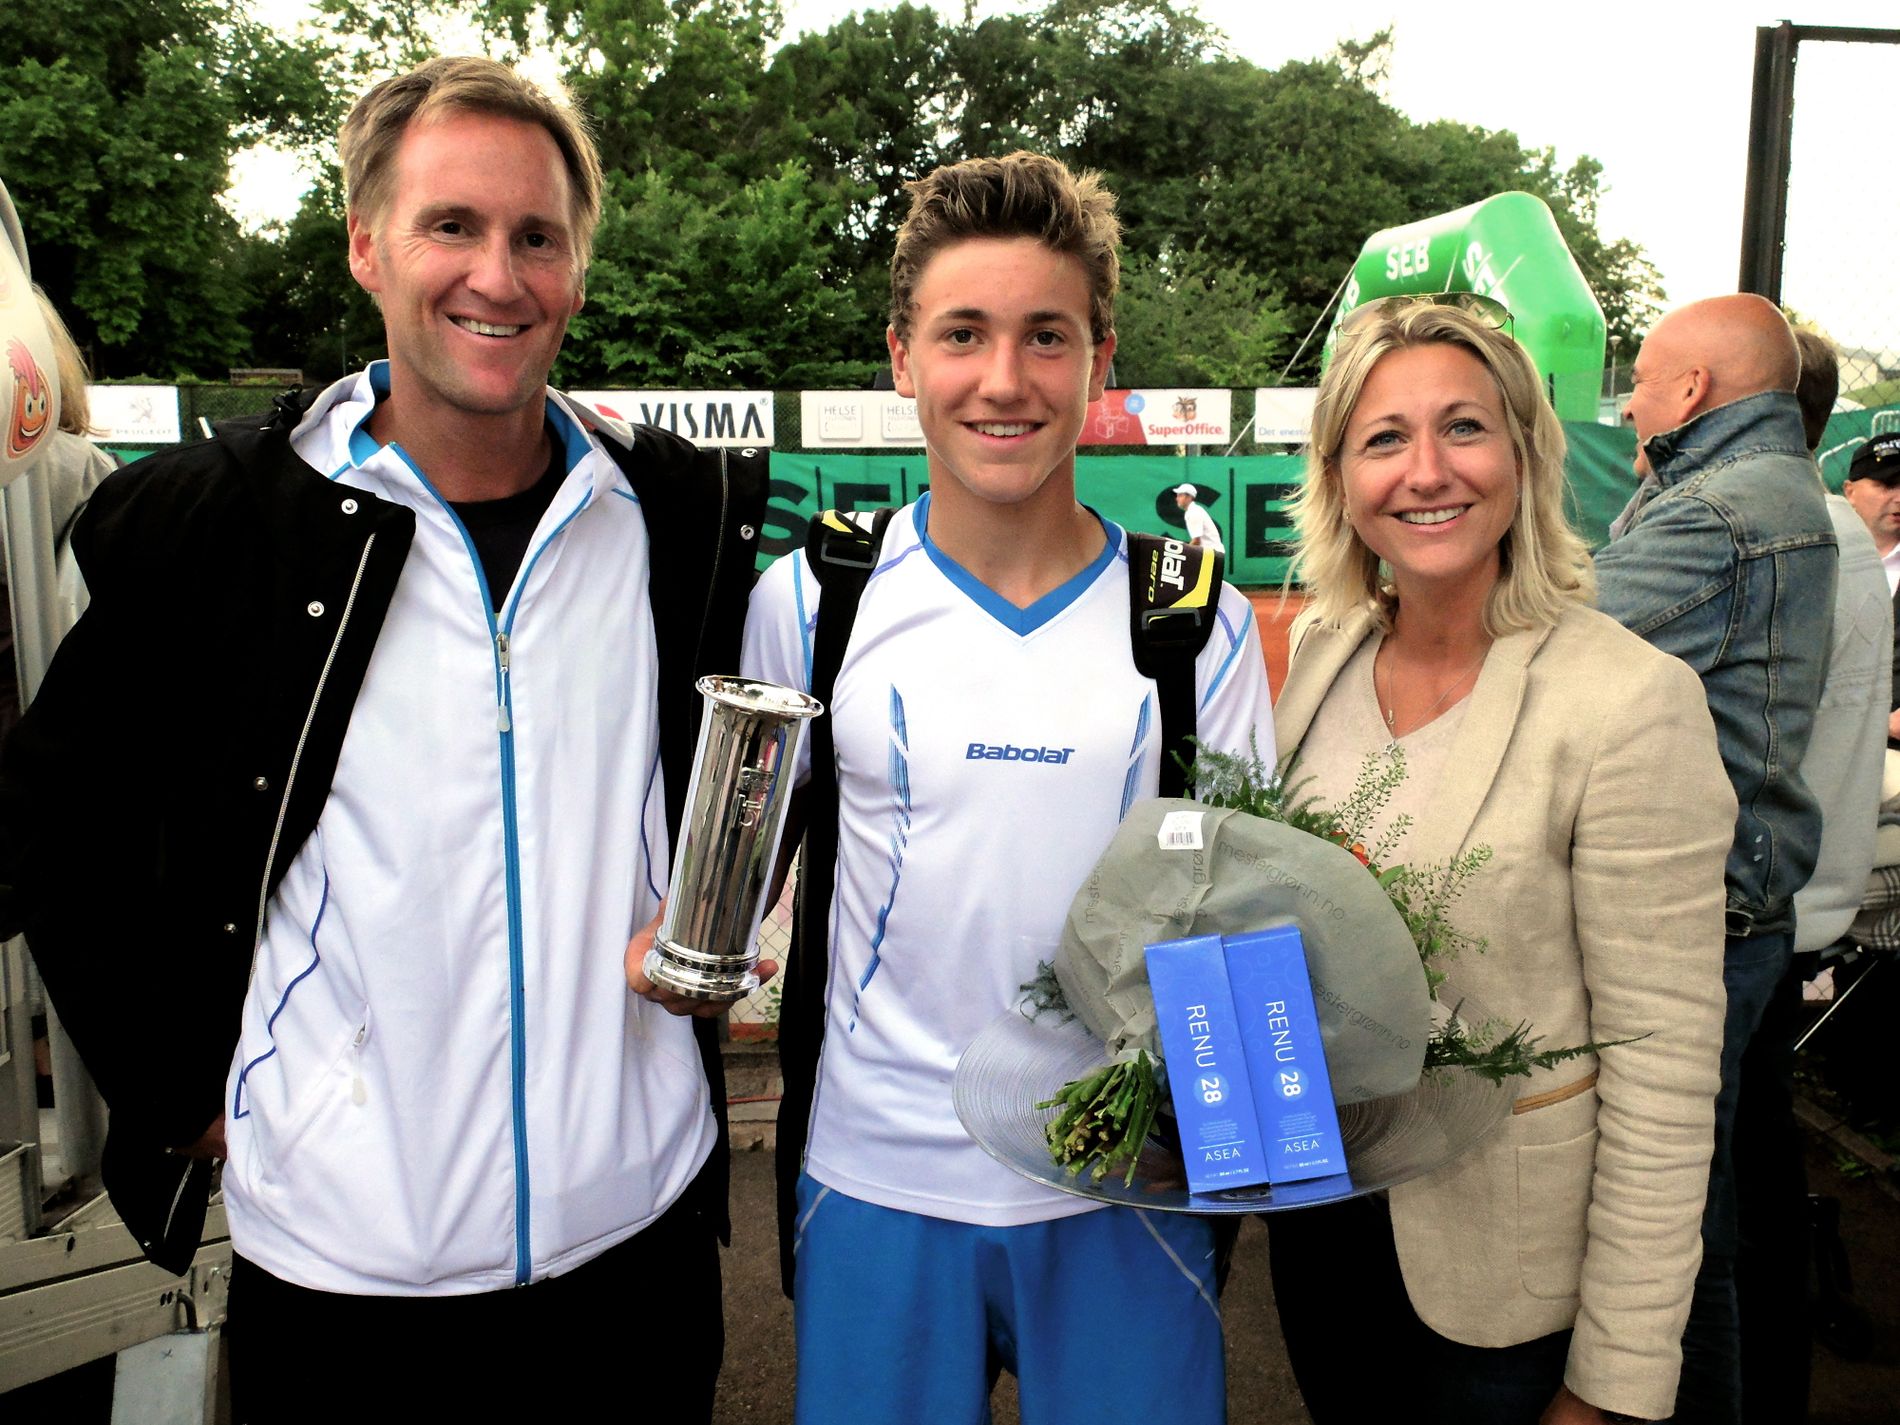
(1545, 1275)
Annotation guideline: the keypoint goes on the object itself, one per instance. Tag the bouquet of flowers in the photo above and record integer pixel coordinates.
(1378, 934)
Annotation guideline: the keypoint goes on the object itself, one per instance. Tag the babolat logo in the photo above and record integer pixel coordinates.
(1007, 752)
(1168, 567)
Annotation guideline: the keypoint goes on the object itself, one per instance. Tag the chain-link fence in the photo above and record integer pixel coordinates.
(756, 1016)
(1838, 260)
(1824, 209)
(211, 404)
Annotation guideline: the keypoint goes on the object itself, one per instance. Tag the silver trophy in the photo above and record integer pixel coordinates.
(707, 945)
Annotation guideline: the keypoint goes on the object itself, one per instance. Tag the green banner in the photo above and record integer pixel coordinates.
(1601, 474)
(1246, 494)
(1602, 478)
(1846, 434)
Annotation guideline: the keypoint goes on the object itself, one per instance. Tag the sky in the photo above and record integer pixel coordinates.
(1659, 93)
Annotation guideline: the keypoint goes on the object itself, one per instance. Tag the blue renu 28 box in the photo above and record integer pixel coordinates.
(1207, 1067)
(1286, 1058)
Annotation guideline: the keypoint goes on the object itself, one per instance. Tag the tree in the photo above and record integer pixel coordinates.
(1627, 285)
(1282, 174)
(1186, 319)
(1245, 193)
(671, 85)
(118, 119)
(303, 308)
(683, 292)
(865, 105)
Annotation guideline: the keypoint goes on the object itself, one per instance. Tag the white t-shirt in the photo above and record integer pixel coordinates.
(1201, 526)
(986, 755)
(1847, 748)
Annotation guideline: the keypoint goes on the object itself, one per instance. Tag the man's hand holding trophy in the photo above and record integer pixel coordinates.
(700, 954)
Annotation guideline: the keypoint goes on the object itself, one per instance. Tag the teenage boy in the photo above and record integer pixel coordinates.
(996, 618)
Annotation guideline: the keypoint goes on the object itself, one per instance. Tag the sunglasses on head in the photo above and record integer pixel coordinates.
(1487, 310)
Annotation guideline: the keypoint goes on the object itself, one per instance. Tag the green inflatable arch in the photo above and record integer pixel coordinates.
(1507, 248)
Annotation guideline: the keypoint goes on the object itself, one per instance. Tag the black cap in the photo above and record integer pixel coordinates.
(1878, 459)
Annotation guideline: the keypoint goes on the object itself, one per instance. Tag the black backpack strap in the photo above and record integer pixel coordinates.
(842, 549)
(1173, 599)
(703, 510)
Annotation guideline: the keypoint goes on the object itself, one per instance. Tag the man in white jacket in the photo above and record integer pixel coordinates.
(412, 657)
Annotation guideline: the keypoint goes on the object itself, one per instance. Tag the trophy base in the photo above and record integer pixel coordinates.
(720, 984)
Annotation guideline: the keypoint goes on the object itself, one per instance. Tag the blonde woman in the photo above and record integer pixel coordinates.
(1546, 1274)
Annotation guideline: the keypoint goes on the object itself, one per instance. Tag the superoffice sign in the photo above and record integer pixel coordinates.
(733, 418)
(1160, 415)
(884, 420)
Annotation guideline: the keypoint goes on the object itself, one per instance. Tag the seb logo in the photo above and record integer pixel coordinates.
(1009, 752)
(1482, 273)
(1168, 568)
(1412, 259)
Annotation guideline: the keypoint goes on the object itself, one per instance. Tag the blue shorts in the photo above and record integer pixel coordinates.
(1108, 1315)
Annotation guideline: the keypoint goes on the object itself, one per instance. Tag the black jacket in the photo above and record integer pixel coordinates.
(181, 749)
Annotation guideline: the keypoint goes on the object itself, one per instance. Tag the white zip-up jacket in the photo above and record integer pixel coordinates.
(443, 1084)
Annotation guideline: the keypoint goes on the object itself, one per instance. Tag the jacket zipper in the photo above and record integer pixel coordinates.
(283, 803)
(177, 1197)
(517, 968)
(296, 757)
(504, 722)
(712, 585)
(511, 850)
(359, 1091)
(499, 637)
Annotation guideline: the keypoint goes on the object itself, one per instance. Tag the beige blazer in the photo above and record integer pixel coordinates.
(1587, 762)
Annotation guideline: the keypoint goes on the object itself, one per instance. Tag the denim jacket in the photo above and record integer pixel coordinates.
(1731, 568)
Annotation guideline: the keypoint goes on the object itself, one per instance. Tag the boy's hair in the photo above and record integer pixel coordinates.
(1819, 385)
(1021, 195)
(376, 125)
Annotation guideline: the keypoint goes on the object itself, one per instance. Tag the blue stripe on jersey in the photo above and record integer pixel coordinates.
(1131, 783)
(574, 445)
(1018, 621)
(646, 846)
(805, 625)
(1227, 663)
(898, 724)
(899, 557)
(1141, 724)
(238, 1110)
(363, 446)
(898, 772)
